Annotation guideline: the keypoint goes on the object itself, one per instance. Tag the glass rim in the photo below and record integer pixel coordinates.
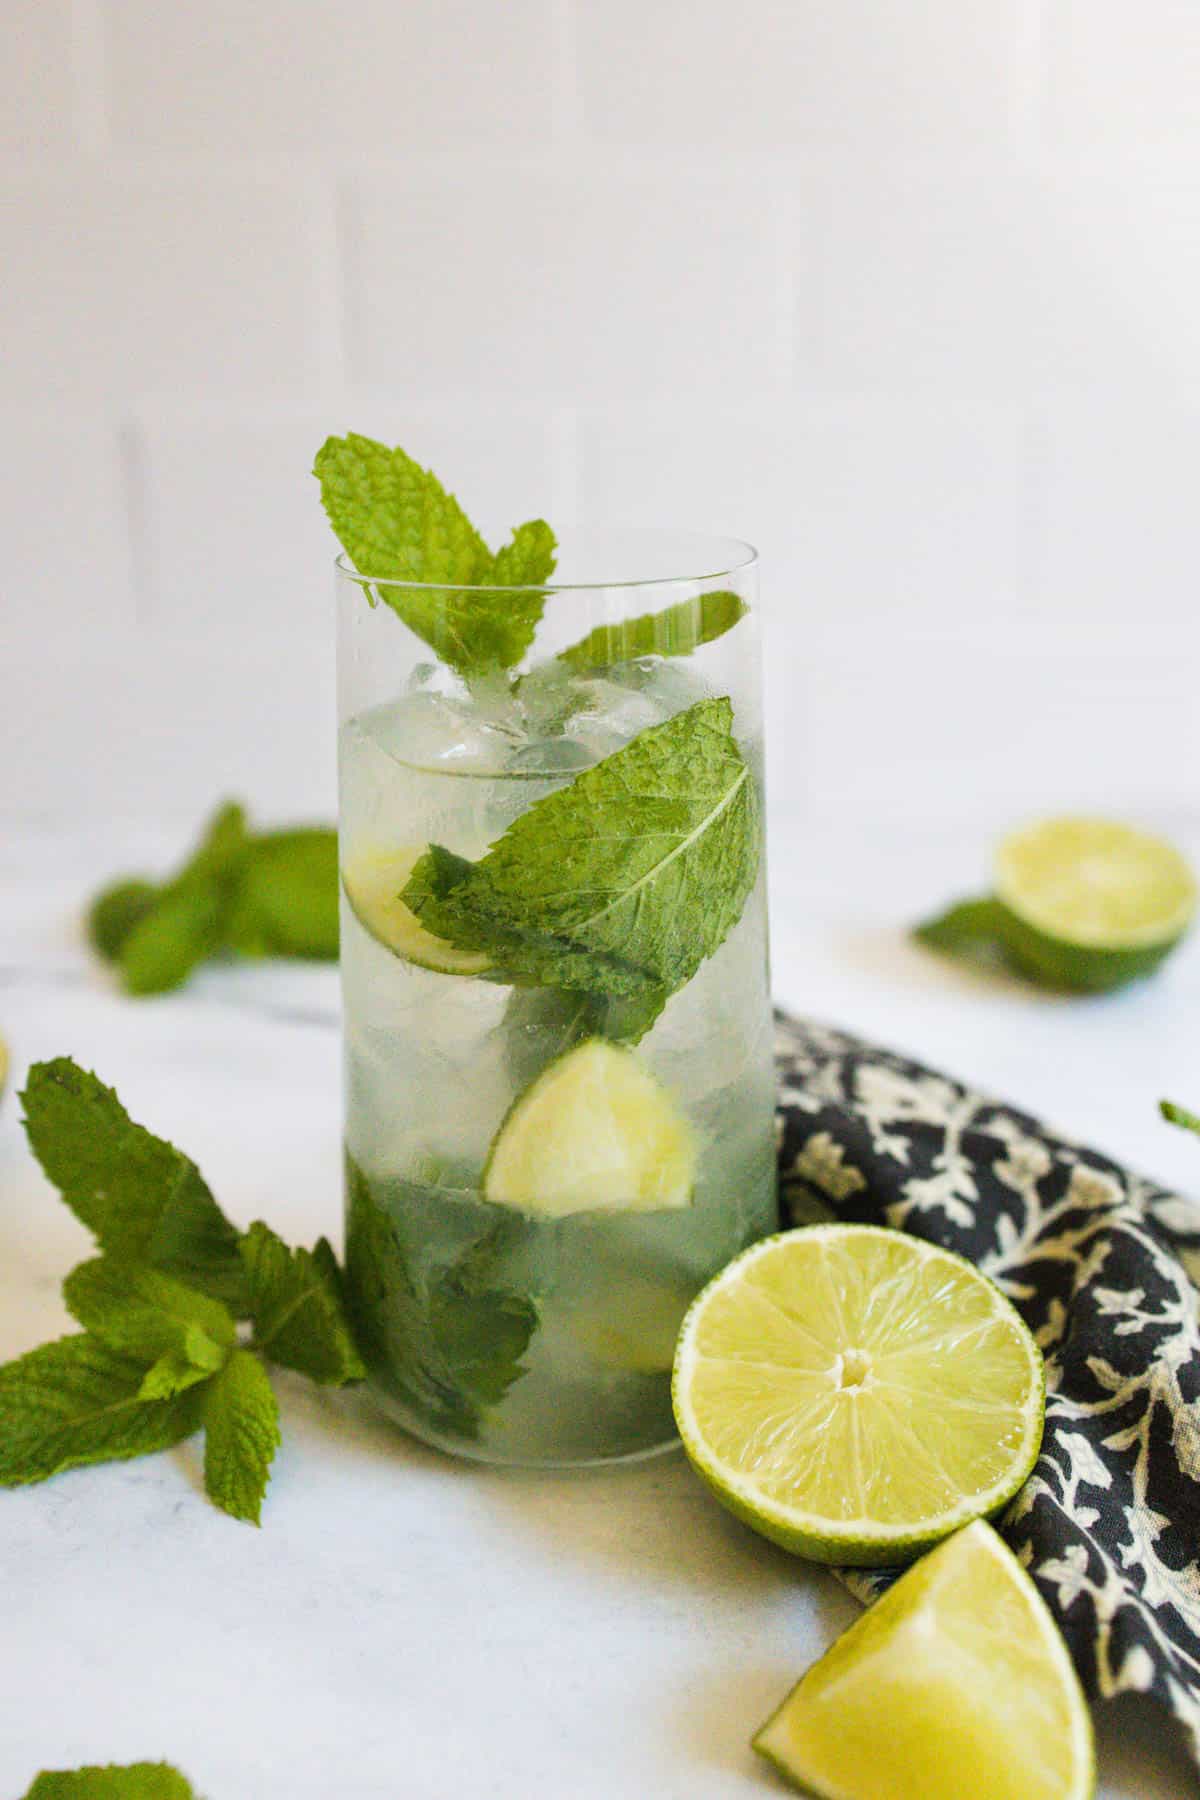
(746, 560)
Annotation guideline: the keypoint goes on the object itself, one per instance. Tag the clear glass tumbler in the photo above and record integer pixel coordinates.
(559, 1091)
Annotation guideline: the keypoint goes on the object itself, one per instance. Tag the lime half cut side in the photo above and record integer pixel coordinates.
(957, 1682)
(857, 1394)
(374, 879)
(596, 1131)
(1091, 903)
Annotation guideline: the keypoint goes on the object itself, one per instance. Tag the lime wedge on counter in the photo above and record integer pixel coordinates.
(374, 880)
(1089, 903)
(955, 1683)
(596, 1131)
(857, 1394)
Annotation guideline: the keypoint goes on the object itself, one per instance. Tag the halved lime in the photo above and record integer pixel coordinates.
(1090, 903)
(957, 1682)
(374, 880)
(595, 1132)
(857, 1394)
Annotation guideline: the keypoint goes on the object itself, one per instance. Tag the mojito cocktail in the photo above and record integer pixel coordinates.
(559, 1083)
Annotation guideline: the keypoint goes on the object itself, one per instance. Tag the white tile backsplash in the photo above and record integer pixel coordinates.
(777, 73)
(119, 283)
(1123, 75)
(36, 75)
(907, 295)
(520, 277)
(314, 77)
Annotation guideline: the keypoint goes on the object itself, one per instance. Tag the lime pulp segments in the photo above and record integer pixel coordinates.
(956, 1683)
(596, 1131)
(857, 1394)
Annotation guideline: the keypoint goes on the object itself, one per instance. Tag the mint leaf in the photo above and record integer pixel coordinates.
(125, 1781)
(296, 1306)
(540, 1024)
(675, 631)
(138, 1309)
(527, 560)
(286, 903)
(1179, 1115)
(622, 882)
(177, 1370)
(140, 1197)
(961, 928)
(475, 915)
(77, 1401)
(241, 1436)
(432, 1308)
(397, 524)
(114, 913)
(185, 924)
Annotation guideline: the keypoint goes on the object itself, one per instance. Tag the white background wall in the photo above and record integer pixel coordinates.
(905, 291)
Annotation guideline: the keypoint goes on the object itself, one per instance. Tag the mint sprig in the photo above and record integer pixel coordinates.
(620, 883)
(112, 1781)
(160, 1354)
(256, 894)
(398, 525)
(142, 1199)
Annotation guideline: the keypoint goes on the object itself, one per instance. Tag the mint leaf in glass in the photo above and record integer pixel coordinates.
(623, 881)
(433, 1309)
(140, 1197)
(78, 1401)
(112, 1781)
(241, 1436)
(675, 631)
(398, 524)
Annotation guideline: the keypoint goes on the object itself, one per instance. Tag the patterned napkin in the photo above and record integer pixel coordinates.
(1101, 1265)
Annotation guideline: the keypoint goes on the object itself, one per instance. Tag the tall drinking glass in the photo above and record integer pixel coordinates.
(559, 1091)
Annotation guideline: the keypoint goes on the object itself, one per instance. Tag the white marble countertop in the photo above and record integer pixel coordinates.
(403, 1625)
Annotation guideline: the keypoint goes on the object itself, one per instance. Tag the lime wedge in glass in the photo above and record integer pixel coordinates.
(857, 1394)
(957, 1682)
(595, 1132)
(1089, 903)
(374, 880)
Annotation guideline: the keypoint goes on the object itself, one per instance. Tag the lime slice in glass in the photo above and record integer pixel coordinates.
(957, 1682)
(1089, 903)
(595, 1132)
(857, 1394)
(374, 880)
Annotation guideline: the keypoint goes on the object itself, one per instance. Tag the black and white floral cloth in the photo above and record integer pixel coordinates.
(1102, 1265)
